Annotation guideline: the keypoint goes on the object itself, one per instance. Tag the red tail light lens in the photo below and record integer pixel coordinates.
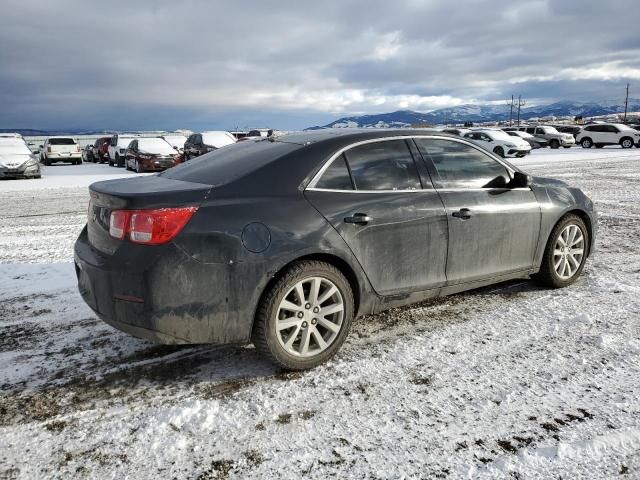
(150, 227)
(48, 149)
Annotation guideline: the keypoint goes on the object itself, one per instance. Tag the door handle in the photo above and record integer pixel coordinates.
(358, 219)
(463, 213)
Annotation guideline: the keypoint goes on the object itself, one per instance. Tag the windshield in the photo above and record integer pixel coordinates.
(13, 147)
(155, 145)
(498, 135)
(62, 141)
(226, 164)
(217, 139)
(176, 140)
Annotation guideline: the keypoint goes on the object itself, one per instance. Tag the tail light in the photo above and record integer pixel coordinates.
(149, 227)
(77, 148)
(48, 149)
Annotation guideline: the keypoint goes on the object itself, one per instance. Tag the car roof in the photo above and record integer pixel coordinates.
(352, 135)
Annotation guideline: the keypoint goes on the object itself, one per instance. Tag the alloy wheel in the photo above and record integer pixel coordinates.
(568, 252)
(309, 317)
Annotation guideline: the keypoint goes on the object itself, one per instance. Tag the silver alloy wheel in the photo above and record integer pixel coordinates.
(568, 252)
(309, 317)
(627, 143)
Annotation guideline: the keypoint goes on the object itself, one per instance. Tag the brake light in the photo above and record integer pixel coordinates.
(77, 148)
(149, 227)
(48, 149)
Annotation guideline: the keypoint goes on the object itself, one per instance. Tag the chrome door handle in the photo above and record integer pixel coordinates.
(463, 213)
(358, 219)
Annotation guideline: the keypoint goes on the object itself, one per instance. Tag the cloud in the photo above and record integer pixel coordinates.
(126, 64)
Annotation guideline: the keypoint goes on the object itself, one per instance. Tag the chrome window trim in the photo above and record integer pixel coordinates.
(422, 190)
(312, 184)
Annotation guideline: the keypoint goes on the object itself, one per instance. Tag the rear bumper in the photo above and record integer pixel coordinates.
(164, 295)
(61, 157)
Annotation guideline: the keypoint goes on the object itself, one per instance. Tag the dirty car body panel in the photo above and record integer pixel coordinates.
(261, 206)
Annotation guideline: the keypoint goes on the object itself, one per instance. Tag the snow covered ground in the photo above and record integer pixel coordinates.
(510, 381)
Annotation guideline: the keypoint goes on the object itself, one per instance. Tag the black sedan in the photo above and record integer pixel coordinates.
(283, 241)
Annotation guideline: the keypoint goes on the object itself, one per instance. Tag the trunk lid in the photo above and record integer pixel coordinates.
(135, 194)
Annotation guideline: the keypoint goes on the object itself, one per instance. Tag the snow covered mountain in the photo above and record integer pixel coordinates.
(479, 113)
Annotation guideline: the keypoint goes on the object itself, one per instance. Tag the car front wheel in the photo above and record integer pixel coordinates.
(554, 144)
(565, 253)
(305, 316)
(626, 143)
(499, 151)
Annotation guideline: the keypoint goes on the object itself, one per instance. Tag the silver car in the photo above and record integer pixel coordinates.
(16, 160)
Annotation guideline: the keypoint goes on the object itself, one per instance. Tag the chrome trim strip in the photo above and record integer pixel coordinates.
(421, 190)
(316, 177)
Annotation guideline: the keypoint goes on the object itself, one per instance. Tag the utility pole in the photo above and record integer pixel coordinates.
(626, 105)
(511, 111)
(521, 103)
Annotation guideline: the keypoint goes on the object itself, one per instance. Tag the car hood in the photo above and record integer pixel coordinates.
(13, 160)
(548, 182)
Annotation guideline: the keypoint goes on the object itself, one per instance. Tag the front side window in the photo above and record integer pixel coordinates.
(385, 165)
(336, 176)
(459, 165)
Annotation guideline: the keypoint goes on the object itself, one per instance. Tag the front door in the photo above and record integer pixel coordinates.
(493, 229)
(383, 205)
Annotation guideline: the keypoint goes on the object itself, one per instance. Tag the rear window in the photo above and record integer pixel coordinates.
(226, 164)
(62, 141)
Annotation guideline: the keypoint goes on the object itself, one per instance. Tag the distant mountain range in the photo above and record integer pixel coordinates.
(479, 113)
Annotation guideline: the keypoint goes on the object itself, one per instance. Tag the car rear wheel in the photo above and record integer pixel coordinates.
(499, 151)
(565, 253)
(304, 318)
(586, 143)
(626, 142)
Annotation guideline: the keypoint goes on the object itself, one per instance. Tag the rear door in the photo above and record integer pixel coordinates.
(384, 206)
(493, 230)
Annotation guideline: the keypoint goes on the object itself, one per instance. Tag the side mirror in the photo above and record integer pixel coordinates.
(520, 180)
(36, 152)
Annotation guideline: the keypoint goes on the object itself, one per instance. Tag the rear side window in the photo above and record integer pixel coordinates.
(459, 165)
(336, 176)
(386, 165)
(62, 141)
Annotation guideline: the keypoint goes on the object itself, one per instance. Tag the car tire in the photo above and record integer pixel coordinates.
(293, 347)
(555, 144)
(567, 146)
(586, 143)
(552, 270)
(626, 142)
(499, 151)
(139, 169)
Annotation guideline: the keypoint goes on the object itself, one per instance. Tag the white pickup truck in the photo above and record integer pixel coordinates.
(60, 149)
(118, 149)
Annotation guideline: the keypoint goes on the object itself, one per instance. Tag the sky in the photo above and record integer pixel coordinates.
(202, 64)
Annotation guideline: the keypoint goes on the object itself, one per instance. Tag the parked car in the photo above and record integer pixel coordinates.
(100, 149)
(203, 252)
(456, 131)
(176, 141)
(16, 160)
(87, 153)
(118, 148)
(535, 142)
(499, 142)
(150, 155)
(205, 142)
(602, 134)
(61, 149)
(555, 138)
(572, 129)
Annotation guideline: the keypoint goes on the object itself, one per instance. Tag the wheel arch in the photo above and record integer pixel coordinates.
(342, 265)
(584, 216)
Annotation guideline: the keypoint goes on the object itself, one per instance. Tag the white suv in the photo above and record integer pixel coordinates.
(555, 138)
(499, 142)
(118, 149)
(602, 134)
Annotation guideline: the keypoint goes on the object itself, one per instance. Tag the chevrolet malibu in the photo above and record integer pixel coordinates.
(282, 242)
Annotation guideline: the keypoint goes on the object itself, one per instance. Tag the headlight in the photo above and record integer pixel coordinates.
(510, 145)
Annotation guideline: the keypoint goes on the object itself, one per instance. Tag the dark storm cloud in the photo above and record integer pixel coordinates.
(202, 64)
